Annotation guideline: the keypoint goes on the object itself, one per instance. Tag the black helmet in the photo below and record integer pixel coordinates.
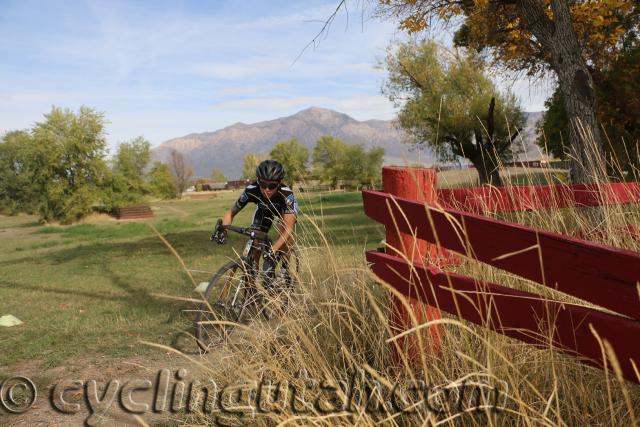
(270, 170)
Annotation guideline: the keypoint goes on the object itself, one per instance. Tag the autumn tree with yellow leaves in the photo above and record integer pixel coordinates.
(573, 38)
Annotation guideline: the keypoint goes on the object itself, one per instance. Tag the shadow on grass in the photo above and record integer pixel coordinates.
(75, 292)
(188, 244)
(27, 225)
(8, 227)
(114, 262)
(194, 244)
(135, 296)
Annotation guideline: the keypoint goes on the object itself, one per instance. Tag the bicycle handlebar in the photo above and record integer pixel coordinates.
(248, 231)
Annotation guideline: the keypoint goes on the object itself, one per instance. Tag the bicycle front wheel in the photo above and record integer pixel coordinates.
(228, 296)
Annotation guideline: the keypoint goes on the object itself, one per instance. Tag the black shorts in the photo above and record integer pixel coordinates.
(262, 219)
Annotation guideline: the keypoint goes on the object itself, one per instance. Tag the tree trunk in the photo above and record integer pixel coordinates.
(485, 157)
(576, 84)
(483, 177)
(494, 176)
(487, 168)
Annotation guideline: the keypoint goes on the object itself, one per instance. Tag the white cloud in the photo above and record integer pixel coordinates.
(362, 67)
(255, 66)
(25, 98)
(272, 103)
(251, 90)
(360, 106)
(372, 106)
(282, 21)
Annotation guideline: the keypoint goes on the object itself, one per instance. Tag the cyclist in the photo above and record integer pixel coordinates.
(273, 200)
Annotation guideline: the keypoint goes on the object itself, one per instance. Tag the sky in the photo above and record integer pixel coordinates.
(164, 69)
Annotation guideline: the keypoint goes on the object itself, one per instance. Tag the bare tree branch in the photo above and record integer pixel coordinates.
(182, 171)
(323, 31)
(508, 143)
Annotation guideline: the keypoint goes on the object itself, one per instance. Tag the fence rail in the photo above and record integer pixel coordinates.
(579, 268)
(517, 314)
(535, 197)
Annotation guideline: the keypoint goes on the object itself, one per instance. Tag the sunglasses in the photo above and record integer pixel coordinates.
(268, 185)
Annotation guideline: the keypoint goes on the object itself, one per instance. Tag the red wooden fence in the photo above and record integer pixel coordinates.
(417, 183)
(605, 276)
(535, 197)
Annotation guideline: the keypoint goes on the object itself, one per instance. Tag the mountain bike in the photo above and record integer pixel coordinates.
(239, 292)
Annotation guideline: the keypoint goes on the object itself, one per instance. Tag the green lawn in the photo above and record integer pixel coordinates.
(85, 290)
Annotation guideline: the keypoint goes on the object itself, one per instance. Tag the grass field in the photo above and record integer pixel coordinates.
(87, 289)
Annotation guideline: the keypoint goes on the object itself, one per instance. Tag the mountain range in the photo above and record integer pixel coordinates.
(225, 149)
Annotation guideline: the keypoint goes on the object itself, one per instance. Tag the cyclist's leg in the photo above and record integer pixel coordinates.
(269, 274)
(263, 219)
(285, 254)
(262, 223)
(285, 261)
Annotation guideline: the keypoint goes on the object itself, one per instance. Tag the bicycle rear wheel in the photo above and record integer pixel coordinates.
(228, 297)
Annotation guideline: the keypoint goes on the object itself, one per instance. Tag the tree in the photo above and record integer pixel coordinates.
(181, 170)
(617, 89)
(16, 190)
(294, 157)
(250, 163)
(131, 161)
(328, 159)
(162, 182)
(67, 160)
(334, 160)
(362, 166)
(552, 131)
(58, 168)
(570, 37)
(448, 102)
(217, 176)
(372, 171)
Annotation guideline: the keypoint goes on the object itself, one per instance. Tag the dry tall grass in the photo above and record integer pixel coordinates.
(334, 345)
(338, 326)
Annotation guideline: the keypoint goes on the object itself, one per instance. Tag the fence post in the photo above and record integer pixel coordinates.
(415, 184)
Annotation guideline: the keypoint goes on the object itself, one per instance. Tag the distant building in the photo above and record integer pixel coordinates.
(241, 183)
(218, 186)
(542, 163)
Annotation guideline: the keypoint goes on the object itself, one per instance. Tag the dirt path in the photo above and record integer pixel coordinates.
(153, 381)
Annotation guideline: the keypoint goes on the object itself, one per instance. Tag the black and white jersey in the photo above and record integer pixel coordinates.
(281, 203)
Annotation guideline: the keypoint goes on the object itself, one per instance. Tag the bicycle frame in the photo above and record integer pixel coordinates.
(248, 259)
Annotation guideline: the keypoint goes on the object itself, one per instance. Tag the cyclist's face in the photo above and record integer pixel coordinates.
(268, 188)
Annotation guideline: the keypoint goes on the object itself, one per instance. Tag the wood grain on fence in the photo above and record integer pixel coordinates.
(517, 314)
(600, 274)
